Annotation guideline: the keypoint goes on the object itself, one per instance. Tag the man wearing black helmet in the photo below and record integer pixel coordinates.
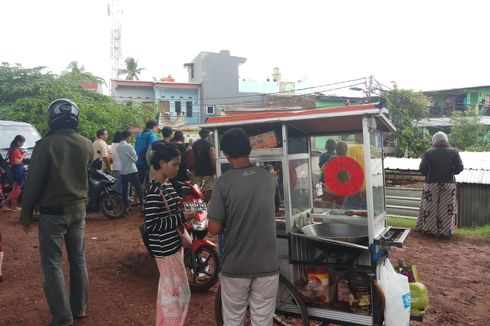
(58, 184)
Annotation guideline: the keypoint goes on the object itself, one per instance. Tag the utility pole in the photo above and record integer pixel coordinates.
(369, 88)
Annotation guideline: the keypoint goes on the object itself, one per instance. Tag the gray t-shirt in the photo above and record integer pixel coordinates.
(243, 202)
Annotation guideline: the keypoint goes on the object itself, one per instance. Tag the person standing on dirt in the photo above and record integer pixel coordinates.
(166, 138)
(205, 164)
(163, 216)
(242, 208)
(129, 171)
(143, 142)
(437, 214)
(101, 152)
(182, 175)
(58, 183)
(16, 155)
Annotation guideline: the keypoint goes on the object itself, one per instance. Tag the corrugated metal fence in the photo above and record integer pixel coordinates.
(473, 203)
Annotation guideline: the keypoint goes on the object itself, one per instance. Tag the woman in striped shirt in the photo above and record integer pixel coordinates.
(161, 222)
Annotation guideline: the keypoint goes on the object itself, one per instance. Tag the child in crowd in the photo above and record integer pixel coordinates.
(16, 156)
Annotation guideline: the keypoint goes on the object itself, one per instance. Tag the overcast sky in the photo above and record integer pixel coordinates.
(420, 44)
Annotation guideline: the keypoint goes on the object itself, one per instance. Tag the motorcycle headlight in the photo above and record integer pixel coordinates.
(200, 225)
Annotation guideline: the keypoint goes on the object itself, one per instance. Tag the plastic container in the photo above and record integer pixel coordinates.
(318, 277)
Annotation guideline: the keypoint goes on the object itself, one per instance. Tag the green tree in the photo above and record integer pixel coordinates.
(406, 107)
(79, 75)
(468, 133)
(132, 71)
(28, 101)
(17, 82)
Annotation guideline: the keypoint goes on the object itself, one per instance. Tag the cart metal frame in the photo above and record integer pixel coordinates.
(295, 249)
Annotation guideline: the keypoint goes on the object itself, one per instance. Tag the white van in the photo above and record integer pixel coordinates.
(10, 129)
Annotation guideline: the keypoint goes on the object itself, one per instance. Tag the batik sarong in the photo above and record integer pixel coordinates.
(173, 290)
(437, 213)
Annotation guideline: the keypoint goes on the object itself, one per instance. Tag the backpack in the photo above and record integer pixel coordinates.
(147, 147)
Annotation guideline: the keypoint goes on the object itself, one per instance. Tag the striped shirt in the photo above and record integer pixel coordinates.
(160, 225)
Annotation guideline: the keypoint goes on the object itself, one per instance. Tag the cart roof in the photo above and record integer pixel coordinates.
(313, 121)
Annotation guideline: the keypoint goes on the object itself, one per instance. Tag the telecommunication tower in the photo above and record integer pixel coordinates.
(114, 12)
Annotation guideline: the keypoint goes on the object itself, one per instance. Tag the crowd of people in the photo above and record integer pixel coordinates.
(57, 192)
(242, 207)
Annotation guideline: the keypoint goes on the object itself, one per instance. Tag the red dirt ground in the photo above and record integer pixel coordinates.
(123, 277)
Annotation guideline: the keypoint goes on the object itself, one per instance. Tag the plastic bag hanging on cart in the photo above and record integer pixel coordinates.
(397, 295)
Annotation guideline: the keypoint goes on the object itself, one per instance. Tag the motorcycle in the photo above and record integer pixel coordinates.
(201, 260)
(102, 197)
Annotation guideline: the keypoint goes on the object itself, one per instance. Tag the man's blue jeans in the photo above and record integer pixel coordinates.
(143, 174)
(53, 231)
(131, 180)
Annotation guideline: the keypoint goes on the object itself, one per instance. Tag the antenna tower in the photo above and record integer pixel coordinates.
(114, 12)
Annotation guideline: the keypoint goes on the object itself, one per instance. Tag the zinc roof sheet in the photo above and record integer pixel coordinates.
(476, 166)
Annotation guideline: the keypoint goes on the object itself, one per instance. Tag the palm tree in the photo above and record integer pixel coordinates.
(132, 71)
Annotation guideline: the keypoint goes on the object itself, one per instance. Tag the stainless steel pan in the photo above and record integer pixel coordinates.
(353, 233)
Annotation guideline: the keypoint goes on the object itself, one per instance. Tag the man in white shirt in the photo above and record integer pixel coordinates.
(100, 149)
(129, 171)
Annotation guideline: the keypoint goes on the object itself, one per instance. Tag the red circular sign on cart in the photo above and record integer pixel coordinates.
(338, 165)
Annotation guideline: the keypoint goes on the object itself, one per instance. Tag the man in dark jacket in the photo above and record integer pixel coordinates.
(205, 172)
(58, 184)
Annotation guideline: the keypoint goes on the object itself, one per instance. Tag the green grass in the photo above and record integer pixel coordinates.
(409, 223)
(401, 222)
(482, 231)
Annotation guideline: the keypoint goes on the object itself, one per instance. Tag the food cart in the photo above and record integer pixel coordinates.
(331, 228)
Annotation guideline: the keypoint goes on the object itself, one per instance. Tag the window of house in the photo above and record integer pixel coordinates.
(210, 110)
(178, 107)
(188, 109)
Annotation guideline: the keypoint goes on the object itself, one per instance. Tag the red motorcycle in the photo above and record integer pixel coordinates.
(201, 260)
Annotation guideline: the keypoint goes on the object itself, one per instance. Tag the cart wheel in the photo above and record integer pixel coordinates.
(290, 307)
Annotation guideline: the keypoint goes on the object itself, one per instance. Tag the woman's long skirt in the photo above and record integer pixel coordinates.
(437, 213)
(173, 290)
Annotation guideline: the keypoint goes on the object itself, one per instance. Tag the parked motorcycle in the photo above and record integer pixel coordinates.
(102, 196)
(201, 260)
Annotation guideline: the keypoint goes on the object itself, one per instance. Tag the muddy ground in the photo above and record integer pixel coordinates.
(123, 277)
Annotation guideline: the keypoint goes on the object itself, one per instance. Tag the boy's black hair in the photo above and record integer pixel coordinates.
(100, 132)
(150, 124)
(166, 132)
(330, 144)
(125, 134)
(117, 137)
(235, 143)
(203, 133)
(178, 136)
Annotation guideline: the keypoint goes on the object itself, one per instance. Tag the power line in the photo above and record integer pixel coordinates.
(281, 92)
(202, 101)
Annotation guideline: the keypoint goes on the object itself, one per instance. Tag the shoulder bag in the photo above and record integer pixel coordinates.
(181, 231)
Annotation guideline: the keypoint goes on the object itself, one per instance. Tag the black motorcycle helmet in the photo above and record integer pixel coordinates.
(63, 113)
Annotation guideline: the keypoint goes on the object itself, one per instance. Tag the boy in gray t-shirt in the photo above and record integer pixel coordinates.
(242, 208)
